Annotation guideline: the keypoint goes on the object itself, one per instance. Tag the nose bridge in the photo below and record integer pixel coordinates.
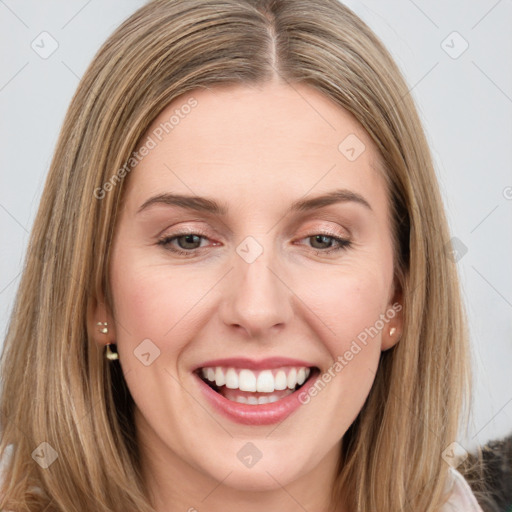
(256, 297)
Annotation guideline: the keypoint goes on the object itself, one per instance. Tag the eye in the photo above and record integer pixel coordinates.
(327, 242)
(187, 243)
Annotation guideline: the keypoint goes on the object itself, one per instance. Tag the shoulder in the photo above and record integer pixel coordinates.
(461, 498)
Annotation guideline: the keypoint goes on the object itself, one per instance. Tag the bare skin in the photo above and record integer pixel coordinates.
(255, 150)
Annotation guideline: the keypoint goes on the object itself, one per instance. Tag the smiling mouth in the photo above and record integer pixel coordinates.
(250, 387)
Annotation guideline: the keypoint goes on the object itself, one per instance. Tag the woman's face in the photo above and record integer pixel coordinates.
(268, 286)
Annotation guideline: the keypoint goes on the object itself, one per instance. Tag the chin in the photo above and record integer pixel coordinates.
(259, 480)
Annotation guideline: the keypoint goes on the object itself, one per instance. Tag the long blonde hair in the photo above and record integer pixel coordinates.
(57, 386)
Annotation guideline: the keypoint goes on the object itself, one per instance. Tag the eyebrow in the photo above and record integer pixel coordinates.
(205, 204)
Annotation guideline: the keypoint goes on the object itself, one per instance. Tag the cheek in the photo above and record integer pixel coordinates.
(349, 303)
(148, 302)
(157, 303)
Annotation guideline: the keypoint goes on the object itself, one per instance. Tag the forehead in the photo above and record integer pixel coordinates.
(257, 144)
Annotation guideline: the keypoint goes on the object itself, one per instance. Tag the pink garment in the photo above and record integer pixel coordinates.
(462, 498)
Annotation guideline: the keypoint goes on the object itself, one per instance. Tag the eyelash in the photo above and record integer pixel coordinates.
(342, 243)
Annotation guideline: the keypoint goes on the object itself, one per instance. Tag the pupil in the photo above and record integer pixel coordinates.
(187, 239)
(320, 237)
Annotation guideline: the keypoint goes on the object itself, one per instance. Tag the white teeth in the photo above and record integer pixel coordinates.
(280, 382)
(252, 400)
(264, 381)
(246, 380)
(292, 378)
(220, 378)
(231, 379)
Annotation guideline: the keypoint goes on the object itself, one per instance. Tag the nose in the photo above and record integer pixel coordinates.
(256, 298)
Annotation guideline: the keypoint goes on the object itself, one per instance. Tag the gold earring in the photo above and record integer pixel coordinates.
(111, 356)
(104, 329)
(392, 331)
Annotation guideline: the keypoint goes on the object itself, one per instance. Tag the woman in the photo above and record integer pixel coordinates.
(237, 291)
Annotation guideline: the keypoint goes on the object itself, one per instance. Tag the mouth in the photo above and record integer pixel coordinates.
(256, 387)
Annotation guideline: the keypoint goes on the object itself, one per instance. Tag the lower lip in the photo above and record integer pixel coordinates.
(262, 414)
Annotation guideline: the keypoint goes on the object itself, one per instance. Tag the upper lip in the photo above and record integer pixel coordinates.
(254, 364)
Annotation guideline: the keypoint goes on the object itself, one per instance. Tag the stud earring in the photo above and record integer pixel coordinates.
(392, 331)
(104, 329)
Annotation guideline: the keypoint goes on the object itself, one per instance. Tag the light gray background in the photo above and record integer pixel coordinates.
(465, 104)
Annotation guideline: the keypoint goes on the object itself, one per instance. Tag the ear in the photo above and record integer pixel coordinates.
(99, 313)
(393, 329)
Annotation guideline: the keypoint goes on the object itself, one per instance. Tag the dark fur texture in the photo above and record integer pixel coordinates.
(489, 473)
